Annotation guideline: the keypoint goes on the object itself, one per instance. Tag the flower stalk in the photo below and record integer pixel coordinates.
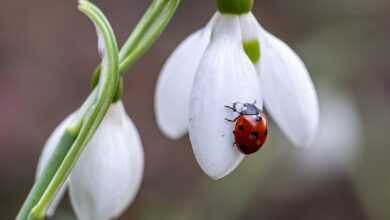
(92, 112)
(89, 122)
(149, 28)
(235, 7)
(96, 112)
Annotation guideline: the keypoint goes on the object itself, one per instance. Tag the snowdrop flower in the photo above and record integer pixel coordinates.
(232, 59)
(108, 174)
(336, 146)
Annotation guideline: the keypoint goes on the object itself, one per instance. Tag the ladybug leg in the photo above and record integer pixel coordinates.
(254, 103)
(230, 120)
(234, 120)
(234, 107)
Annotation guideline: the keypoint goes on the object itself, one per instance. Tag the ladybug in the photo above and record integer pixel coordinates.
(251, 127)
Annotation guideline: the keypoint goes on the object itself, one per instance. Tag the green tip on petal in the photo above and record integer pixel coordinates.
(236, 7)
(252, 49)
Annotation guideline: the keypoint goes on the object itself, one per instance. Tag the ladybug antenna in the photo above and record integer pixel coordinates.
(230, 107)
(235, 105)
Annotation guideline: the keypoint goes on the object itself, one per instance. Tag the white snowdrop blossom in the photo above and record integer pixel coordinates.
(108, 174)
(232, 59)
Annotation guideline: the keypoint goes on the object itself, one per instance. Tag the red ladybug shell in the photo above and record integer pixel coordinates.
(250, 132)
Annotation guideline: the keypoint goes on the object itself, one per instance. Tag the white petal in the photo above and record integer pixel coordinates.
(175, 83)
(46, 154)
(108, 175)
(289, 93)
(225, 75)
(249, 27)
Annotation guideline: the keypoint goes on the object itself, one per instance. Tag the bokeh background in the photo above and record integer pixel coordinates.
(47, 54)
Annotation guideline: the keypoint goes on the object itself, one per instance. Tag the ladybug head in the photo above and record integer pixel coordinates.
(250, 109)
(246, 108)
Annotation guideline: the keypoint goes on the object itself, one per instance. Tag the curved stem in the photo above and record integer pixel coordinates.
(93, 110)
(95, 114)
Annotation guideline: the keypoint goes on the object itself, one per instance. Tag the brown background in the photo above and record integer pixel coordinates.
(47, 54)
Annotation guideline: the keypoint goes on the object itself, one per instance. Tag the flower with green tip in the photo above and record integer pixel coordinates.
(109, 173)
(233, 59)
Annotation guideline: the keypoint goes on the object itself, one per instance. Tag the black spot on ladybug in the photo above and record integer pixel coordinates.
(241, 127)
(254, 134)
(266, 132)
(242, 146)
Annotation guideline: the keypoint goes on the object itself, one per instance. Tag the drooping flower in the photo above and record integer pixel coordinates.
(109, 172)
(233, 59)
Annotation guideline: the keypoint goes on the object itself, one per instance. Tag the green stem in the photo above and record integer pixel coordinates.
(93, 118)
(43, 193)
(43, 181)
(62, 148)
(234, 7)
(71, 145)
(146, 33)
(142, 27)
(150, 27)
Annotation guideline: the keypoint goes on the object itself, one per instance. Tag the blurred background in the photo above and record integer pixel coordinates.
(47, 54)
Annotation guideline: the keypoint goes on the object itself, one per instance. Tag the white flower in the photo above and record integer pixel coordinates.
(108, 174)
(232, 59)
